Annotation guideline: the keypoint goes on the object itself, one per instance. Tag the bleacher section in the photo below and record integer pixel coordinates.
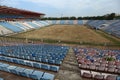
(42, 56)
(113, 27)
(11, 27)
(30, 63)
(108, 26)
(33, 25)
(64, 22)
(98, 64)
(30, 73)
(20, 26)
(4, 31)
(35, 52)
(95, 23)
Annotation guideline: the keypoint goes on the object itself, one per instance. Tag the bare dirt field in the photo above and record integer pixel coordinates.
(75, 33)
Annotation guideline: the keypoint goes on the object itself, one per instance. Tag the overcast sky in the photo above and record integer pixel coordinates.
(58, 8)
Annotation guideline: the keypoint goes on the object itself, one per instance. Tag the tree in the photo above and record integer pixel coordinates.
(111, 16)
(72, 18)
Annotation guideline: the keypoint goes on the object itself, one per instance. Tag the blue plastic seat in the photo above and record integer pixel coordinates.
(12, 68)
(51, 61)
(44, 60)
(18, 70)
(45, 66)
(9, 59)
(22, 62)
(26, 72)
(37, 65)
(47, 76)
(28, 63)
(36, 75)
(54, 68)
(32, 58)
(4, 67)
(38, 59)
(15, 61)
(58, 62)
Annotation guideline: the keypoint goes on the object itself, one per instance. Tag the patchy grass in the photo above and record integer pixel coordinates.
(109, 37)
(66, 33)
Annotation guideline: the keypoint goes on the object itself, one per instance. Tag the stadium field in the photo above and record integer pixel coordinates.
(73, 33)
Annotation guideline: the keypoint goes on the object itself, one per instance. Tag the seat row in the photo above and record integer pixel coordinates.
(30, 63)
(98, 76)
(42, 53)
(43, 60)
(30, 73)
(99, 68)
(68, 22)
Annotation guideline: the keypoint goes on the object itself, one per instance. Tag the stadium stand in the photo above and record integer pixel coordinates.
(93, 62)
(4, 31)
(68, 22)
(44, 22)
(35, 52)
(40, 56)
(20, 26)
(108, 26)
(32, 24)
(40, 24)
(80, 22)
(10, 27)
(113, 27)
(30, 63)
(30, 73)
(95, 23)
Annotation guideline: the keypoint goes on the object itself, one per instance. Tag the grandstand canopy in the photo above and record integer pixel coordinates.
(9, 13)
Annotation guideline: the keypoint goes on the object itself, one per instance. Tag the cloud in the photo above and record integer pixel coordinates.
(70, 7)
(13, 3)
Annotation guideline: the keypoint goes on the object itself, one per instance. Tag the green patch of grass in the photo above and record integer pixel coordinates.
(109, 37)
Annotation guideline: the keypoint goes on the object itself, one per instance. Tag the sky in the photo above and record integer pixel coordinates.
(66, 8)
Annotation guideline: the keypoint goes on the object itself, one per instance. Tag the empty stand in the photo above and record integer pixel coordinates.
(93, 62)
(10, 27)
(30, 73)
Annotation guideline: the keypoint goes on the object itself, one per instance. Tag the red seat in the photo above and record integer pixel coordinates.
(99, 77)
(111, 77)
(87, 75)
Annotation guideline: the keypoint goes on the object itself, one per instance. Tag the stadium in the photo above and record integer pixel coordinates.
(32, 48)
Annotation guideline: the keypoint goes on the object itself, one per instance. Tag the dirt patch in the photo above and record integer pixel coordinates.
(76, 33)
(69, 69)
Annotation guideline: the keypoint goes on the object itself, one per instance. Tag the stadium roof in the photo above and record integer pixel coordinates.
(15, 11)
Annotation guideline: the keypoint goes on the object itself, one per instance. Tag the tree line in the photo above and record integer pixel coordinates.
(104, 17)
